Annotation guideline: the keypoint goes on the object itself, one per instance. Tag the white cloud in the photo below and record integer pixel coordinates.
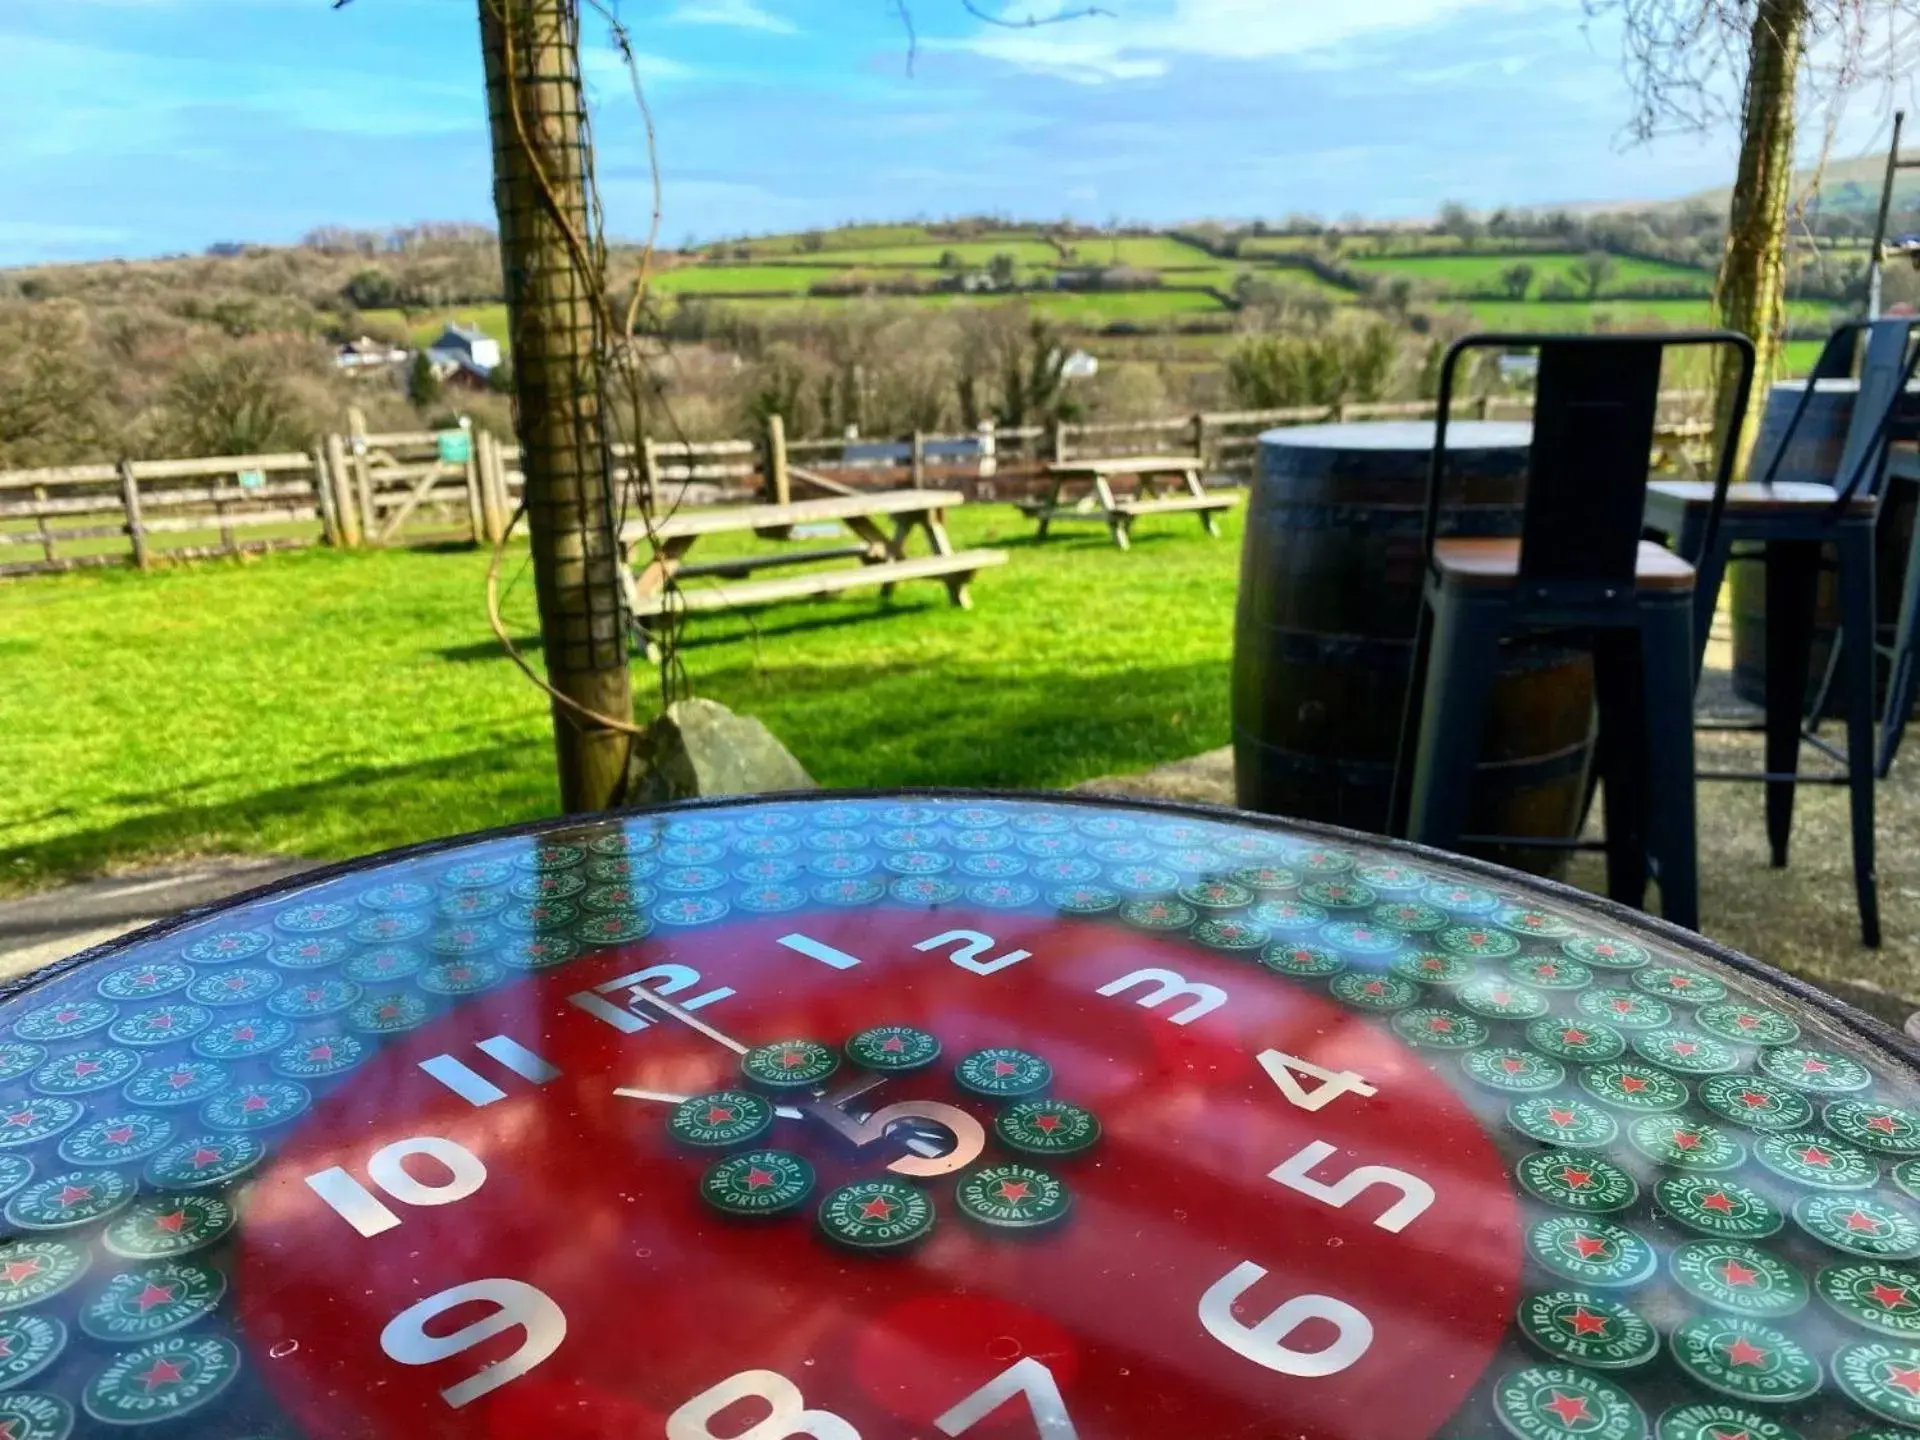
(739, 14)
(1138, 42)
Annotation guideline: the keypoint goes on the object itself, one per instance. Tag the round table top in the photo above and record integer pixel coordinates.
(1402, 435)
(918, 1115)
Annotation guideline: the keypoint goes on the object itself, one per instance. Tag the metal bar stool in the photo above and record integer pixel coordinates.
(1580, 564)
(1793, 521)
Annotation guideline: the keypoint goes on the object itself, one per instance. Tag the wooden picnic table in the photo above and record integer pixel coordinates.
(653, 580)
(1179, 473)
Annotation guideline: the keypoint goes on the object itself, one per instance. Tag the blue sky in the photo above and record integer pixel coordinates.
(141, 127)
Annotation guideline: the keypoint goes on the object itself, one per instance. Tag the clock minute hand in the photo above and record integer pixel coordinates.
(672, 1011)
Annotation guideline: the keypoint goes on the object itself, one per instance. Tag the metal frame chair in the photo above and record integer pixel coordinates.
(1580, 563)
(1793, 521)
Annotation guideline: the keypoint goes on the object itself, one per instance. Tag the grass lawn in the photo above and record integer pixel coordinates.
(1457, 274)
(1578, 314)
(745, 279)
(1026, 250)
(330, 703)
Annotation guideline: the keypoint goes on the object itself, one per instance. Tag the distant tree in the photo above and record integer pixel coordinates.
(813, 241)
(500, 378)
(1456, 219)
(1328, 367)
(1593, 271)
(1003, 269)
(423, 386)
(232, 404)
(372, 290)
(950, 260)
(1517, 280)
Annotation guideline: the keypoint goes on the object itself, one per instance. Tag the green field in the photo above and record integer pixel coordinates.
(423, 327)
(330, 703)
(755, 279)
(1578, 315)
(1471, 274)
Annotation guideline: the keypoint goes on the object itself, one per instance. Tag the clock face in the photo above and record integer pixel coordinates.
(944, 1117)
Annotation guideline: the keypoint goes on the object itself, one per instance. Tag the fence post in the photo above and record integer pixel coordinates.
(1199, 424)
(1339, 412)
(917, 461)
(1483, 406)
(339, 480)
(323, 499)
(1056, 440)
(649, 471)
(779, 486)
(130, 501)
(477, 525)
(989, 452)
(40, 522)
(362, 473)
(486, 457)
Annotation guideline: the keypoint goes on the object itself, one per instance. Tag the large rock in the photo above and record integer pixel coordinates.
(699, 747)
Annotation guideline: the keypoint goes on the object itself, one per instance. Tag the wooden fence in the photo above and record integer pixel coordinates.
(406, 487)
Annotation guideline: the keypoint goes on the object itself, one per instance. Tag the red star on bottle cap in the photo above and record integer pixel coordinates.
(1005, 1067)
(719, 1114)
(1585, 1322)
(74, 1194)
(320, 1052)
(1577, 1179)
(758, 1179)
(1814, 1155)
(161, 1372)
(1734, 1273)
(1632, 1084)
(247, 1032)
(1046, 1124)
(1684, 1047)
(1754, 1100)
(253, 1102)
(1574, 1037)
(1623, 1005)
(1811, 1066)
(21, 1117)
(180, 1079)
(1570, 1408)
(1560, 1117)
(173, 1223)
(153, 1295)
(1686, 1140)
(1512, 1065)
(1744, 1352)
(1589, 1246)
(1013, 1190)
(84, 1068)
(893, 1045)
(1887, 1296)
(1718, 1200)
(1374, 987)
(1883, 1123)
(1862, 1223)
(119, 1135)
(878, 1208)
(14, 1271)
(204, 1157)
(1904, 1377)
(1439, 1024)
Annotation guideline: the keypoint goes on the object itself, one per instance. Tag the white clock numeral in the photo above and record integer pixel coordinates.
(387, 1168)
(1333, 1083)
(970, 1139)
(1169, 985)
(1028, 1377)
(1261, 1343)
(1415, 1194)
(473, 1087)
(972, 945)
(672, 979)
(514, 1302)
(818, 950)
(789, 1414)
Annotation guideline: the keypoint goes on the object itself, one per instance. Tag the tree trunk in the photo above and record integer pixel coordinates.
(542, 174)
(1750, 293)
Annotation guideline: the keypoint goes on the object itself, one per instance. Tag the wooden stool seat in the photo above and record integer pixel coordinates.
(1781, 497)
(1494, 564)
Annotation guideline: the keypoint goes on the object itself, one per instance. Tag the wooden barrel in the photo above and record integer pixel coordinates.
(1815, 455)
(1330, 581)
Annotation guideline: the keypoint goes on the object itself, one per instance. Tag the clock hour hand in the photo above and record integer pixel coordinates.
(640, 995)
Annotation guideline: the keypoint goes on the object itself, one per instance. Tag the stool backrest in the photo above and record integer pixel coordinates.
(1885, 368)
(1595, 404)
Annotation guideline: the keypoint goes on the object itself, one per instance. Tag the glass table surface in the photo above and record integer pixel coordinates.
(919, 1115)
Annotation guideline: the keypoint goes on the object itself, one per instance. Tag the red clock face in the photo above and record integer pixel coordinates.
(955, 1117)
(1182, 1281)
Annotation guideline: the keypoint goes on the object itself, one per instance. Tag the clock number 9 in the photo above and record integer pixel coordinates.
(513, 1302)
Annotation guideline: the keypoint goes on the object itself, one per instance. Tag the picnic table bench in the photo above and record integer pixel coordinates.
(1180, 473)
(653, 581)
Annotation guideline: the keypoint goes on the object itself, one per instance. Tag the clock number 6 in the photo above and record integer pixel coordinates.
(1415, 1194)
(1261, 1343)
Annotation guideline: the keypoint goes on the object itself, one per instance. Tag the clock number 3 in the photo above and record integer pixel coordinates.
(789, 1416)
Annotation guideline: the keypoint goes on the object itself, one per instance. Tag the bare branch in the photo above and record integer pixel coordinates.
(1032, 22)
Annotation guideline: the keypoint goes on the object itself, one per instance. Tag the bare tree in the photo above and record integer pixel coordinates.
(1695, 63)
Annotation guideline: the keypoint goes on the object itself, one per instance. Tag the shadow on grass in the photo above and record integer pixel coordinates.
(328, 806)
